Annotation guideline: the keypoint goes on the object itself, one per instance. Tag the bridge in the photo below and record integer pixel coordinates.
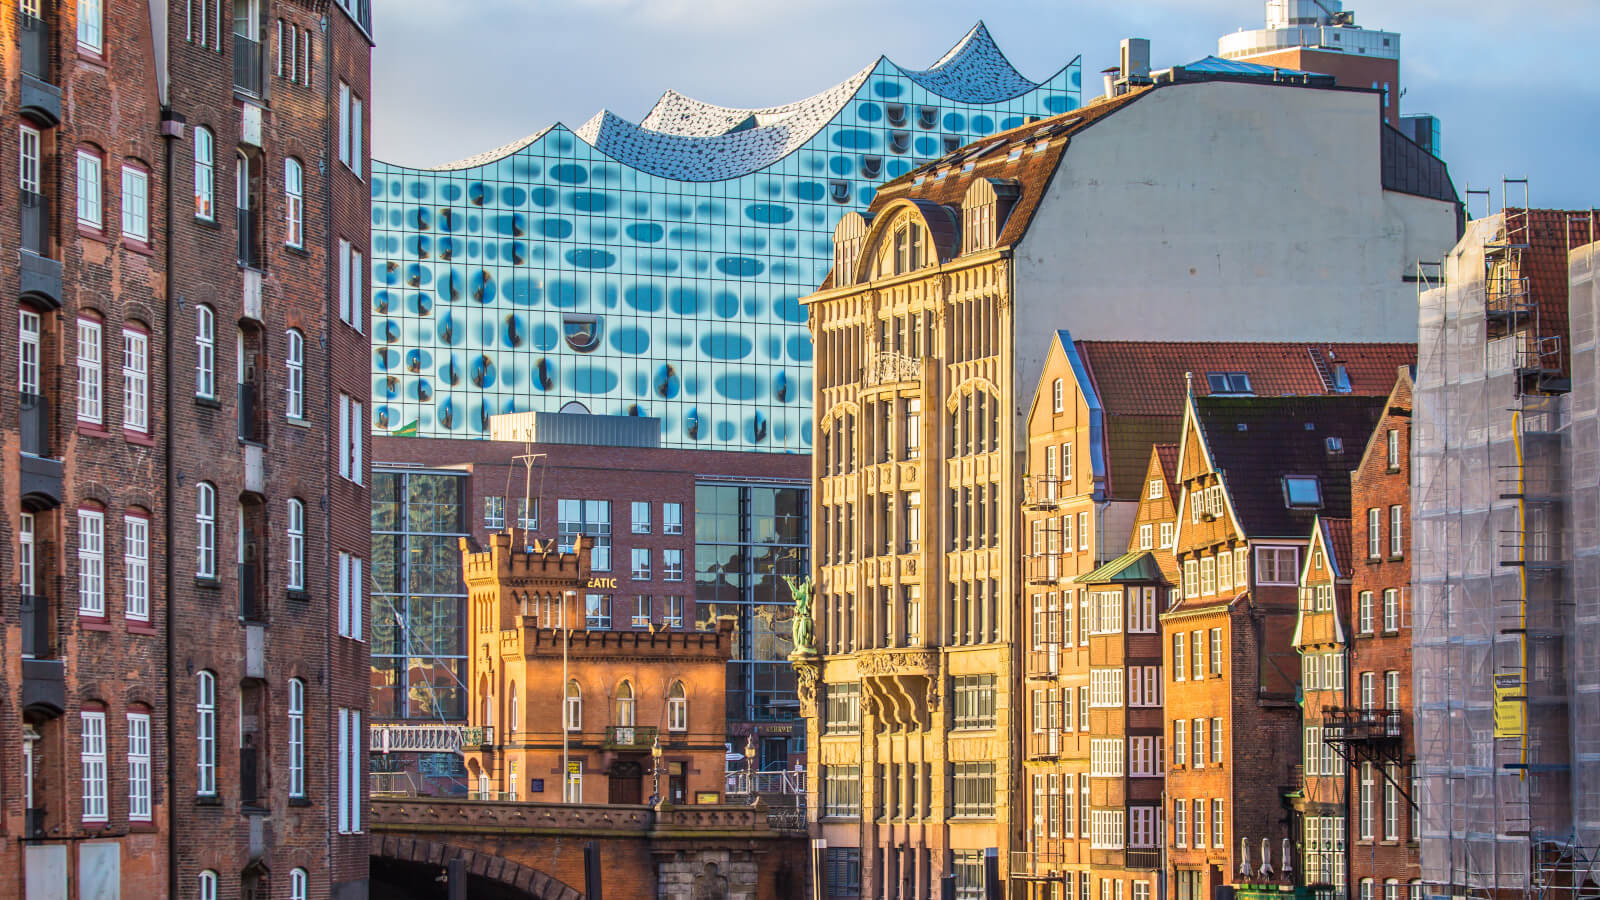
(514, 850)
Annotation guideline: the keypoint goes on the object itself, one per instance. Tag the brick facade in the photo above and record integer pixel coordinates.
(134, 103)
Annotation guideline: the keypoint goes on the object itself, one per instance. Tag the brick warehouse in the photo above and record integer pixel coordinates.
(214, 758)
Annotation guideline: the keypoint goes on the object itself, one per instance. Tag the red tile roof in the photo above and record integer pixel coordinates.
(1548, 234)
(1167, 455)
(1141, 386)
(1338, 545)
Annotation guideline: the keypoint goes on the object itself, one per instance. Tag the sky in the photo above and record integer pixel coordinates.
(1513, 83)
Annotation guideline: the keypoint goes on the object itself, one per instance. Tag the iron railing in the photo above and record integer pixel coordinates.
(249, 599)
(1141, 858)
(630, 737)
(249, 255)
(35, 424)
(1346, 725)
(34, 36)
(1048, 743)
(1045, 660)
(247, 65)
(35, 223)
(747, 783)
(35, 626)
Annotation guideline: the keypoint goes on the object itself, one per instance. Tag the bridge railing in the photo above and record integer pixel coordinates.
(429, 738)
(743, 784)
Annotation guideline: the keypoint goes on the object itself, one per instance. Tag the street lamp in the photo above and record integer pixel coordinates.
(655, 771)
(750, 762)
(568, 599)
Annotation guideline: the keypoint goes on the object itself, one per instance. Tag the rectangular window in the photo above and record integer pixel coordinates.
(1180, 742)
(1208, 576)
(842, 871)
(1143, 757)
(89, 200)
(641, 516)
(1199, 823)
(841, 792)
(1216, 741)
(672, 518)
(89, 375)
(1391, 610)
(1105, 688)
(295, 520)
(642, 611)
(1277, 565)
(1198, 758)
(1083, 529)
(641, 563)
(1146, 536)
(1197, 656)
(528, 520)
(597, 611)
(1364, 613)
(1105, 757)
(139, 767)
(205, 352)
(1216, 651)
(1179, 670)
(494, 513)
(352, 422)
(841, 713)
(351, 596)
(590, 519)
(1180, 823)
(1083, 707)
(91, 25)
(972, 789)
(1364, 820)
(1396, 531)
(91, 563)
(94, 765)
(352, 746)
(135, 381)
(1107, 833)
(1224, 571)
(1374, 532)
(1169, 532)
(1219, 830)
(1394, 449)
(672, 565)
(674, 615)
(135, 203)
(974, 701)
(136, 567)
(352, 274)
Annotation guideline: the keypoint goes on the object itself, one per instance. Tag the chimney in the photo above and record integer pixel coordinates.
(1110, 75)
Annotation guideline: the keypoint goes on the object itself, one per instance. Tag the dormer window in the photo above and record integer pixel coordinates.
(978, 228)
(1229, 383)
(907, 247)
(1302, 492)
(1341, 379)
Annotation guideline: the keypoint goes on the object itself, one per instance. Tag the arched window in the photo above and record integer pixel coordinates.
(297, 740)
(293, 196)
(677, 708)
(205, 538)
(294, 387)
(205, 355)
(297, 545)
(205, 737)
(204, 181)
(207, 886)
(513, 720)
(299, 884)
(625, 716)
(573, 714)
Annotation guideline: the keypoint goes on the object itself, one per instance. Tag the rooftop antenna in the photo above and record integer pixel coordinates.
(528, 458)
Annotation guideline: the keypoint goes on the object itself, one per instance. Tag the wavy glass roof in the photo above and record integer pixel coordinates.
(655, 268)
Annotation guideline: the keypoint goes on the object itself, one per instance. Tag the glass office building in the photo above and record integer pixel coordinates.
(655, 269)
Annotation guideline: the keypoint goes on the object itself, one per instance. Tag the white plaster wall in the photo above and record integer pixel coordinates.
(1225, 211)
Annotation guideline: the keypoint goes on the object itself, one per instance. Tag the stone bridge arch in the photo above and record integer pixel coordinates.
(419, 861)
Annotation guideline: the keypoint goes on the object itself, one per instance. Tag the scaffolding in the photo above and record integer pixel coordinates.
(1505, 545)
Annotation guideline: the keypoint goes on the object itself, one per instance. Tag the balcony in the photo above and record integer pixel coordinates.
(1038, 862)
(1045, 568)
(1362, 725)
(36, 626)
(630, 737)
(39, 98)
(247, 65)
(1141, 858)
(1044, 660)
(1046, 744)
(41, 275)
(1043, 492)
(250, 609)
(43, 679)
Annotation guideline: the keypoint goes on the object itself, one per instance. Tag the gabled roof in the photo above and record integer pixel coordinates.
(1141, 385)
(1139, 566)
(1256, 441)
(1167, 457)
(1336, 543)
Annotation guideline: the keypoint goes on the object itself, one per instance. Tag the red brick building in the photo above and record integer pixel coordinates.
(1322, 637)
(1379, 743)
(181, 703)
(1254, 474)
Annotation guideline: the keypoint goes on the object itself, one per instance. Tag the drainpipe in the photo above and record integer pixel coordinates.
(171, 132)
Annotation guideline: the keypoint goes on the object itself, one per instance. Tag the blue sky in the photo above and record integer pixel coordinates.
(1514, 83)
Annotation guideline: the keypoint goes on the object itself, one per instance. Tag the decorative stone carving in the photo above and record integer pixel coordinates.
(888, 367)
(896, 662)
(807, 673)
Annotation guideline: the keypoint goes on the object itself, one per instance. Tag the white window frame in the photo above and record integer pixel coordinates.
(135, 381)
(205, 733)
(572, 707)
(1374, 532)
(640, 516)
(91, 190)
(297, 739)
(205, 179)
(91, 379)
(91, 563)
(294, 363)
(1396, 531)
(136, 203)
(351, 424)
(136, 567)
(205, 539)
(92, 735)
(352, 747)
(91, 25)
(30, 155)
(296, 527)
(351, 601)
(293, 197)
(1391, 609)
(139, 790)
(1057, 396)
(299, 880)
(672, 518)
(640, 563)
(1180, 742)
(29, 334)
(1146, 536)
(677, 708)
(1394, 448)
(205, 358)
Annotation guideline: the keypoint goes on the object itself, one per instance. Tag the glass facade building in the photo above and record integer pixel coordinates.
(655, 269)
(418, 601)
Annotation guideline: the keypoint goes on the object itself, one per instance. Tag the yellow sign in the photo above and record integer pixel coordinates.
(574, 768)
(1509, 706)
(603, 583)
